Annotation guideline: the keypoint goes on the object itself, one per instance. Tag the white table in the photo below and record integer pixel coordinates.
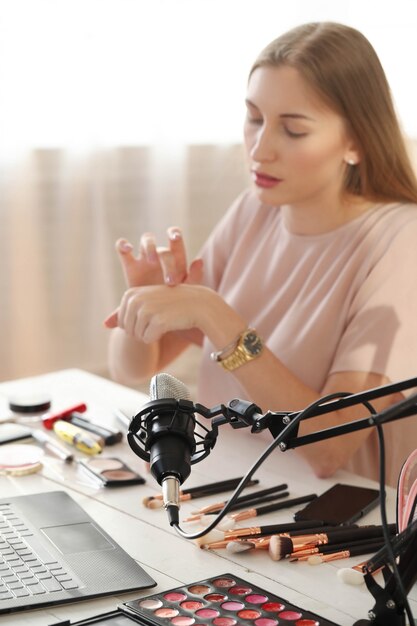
(146, 535)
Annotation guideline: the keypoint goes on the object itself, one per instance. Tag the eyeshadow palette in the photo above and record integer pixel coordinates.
(225, 600)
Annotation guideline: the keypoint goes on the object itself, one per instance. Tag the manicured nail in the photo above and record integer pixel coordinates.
(125, 246)
(169, 279)
(175, 234)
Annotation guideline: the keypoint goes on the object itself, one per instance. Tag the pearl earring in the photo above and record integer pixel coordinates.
(351, 162)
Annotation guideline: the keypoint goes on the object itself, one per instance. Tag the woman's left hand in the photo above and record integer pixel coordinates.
(147, 313)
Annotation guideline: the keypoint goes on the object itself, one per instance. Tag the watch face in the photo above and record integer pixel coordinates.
(252, 343)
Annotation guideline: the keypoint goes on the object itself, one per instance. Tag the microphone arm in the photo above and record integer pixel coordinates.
(241, 414)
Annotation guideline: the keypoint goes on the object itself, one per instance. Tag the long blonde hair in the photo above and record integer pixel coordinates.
(340, 64)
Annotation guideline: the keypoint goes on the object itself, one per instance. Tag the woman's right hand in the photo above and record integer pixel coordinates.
(154, 265)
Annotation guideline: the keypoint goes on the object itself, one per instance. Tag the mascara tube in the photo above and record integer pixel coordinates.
(110, 436)
(82, 440)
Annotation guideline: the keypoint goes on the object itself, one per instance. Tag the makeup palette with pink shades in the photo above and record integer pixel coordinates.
(225, 600)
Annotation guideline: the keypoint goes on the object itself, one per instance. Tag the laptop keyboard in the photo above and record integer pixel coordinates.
(26, 567)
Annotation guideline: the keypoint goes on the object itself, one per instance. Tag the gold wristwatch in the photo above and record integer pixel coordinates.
(248, 347)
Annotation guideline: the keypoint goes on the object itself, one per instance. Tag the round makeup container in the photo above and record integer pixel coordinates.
(20, 459)
(29, 407)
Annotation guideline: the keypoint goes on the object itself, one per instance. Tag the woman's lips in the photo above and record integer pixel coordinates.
(265, 181)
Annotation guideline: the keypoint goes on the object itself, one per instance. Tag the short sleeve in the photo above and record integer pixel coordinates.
(381, 331)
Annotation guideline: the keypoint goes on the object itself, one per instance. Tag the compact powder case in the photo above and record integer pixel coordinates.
(111, 472)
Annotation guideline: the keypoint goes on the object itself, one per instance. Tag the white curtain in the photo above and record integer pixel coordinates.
(120, 116)
(60, 216)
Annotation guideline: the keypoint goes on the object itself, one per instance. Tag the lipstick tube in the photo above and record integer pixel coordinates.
(49, 421)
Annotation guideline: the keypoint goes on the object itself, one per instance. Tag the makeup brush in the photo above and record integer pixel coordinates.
(239, 502)
(316, 559)
(253, 512)
(156, 501)
(281, 546)
(253, 531)
(301, 555)
(243, 544)
(397, 543)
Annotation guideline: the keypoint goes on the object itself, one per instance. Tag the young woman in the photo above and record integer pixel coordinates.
(308, 284)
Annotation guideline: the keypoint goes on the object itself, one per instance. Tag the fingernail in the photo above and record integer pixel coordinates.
(175, 234)
(169, 279)
(125, 246)
(153, 257)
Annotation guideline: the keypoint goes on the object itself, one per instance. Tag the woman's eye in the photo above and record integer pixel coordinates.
(254, 120)
(293, 134)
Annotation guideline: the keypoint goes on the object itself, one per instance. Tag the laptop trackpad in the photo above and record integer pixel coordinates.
(73, 538)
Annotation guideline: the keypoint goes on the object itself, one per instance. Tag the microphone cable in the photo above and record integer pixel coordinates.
(274, 444)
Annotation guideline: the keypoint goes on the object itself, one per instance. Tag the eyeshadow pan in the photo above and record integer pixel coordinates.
(191, 605)
(207, 613)
(307, 622)
(274, 607)
(175, 596)
(151, 603)
(166, 612)
(182, 620)
(198, 589)
(238, 590)
(266, 621)
(223, 582)
(224, 621)
(215, 597)
(289, 615)
(248, 614)
(256, 598)
(232, 605)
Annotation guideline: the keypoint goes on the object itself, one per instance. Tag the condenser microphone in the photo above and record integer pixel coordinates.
(170, 440)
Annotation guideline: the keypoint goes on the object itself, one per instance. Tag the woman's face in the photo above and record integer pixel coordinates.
(297, 147)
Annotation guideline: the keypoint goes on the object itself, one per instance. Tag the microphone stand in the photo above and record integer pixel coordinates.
(390, 600)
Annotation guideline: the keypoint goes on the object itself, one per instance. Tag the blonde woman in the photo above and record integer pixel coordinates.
(308, 284)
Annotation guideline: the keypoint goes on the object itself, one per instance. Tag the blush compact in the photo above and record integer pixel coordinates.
(111, 472)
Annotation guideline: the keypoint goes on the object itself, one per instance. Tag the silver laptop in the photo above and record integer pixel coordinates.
(52, 552)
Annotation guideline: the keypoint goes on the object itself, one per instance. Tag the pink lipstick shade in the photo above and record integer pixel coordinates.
(264, 181)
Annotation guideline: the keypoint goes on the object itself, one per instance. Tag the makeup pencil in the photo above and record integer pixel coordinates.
(156, 501)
